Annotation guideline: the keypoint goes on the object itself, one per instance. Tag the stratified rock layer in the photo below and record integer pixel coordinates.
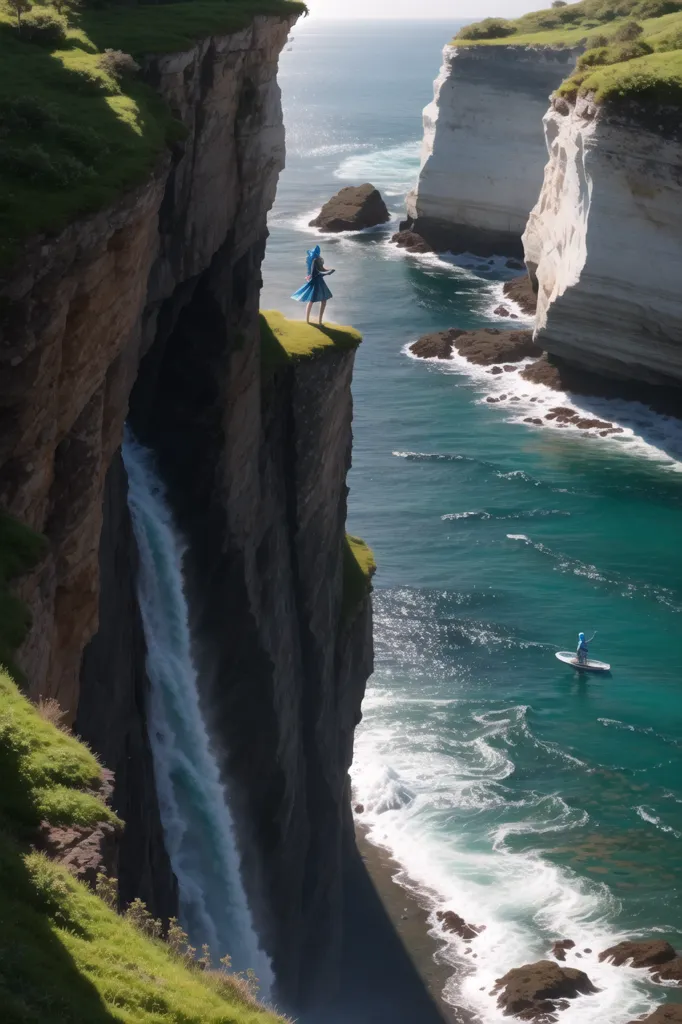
(352, 209)
(604, 245)
(483, 151)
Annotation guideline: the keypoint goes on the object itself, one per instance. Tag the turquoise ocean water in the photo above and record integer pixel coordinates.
(534, 803)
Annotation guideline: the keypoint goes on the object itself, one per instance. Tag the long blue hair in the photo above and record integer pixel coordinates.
(311, 256)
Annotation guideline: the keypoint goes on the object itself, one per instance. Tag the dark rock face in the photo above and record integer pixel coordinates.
(521, 291)
(536, 991)
(452, 922)
(111, 712)
(560, 375)
(484, 347)
(256, 470)
(353, 208)
(663, 1015)
(411, 241)
(443, 236)
(560, 946)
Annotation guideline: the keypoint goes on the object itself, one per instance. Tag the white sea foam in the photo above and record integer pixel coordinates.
(393, 170)
(644, 433)
(407, 788)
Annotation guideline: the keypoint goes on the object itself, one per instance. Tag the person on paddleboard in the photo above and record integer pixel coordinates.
(583, 649)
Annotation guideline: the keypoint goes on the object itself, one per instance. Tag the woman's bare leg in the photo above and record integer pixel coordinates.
(322, 309)
(308, 311)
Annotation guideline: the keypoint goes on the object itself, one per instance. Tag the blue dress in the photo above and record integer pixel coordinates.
(316, 288)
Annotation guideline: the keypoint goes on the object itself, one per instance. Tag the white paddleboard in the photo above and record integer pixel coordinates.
(569, 658)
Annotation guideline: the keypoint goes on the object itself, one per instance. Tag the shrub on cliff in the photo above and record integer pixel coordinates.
(656, 8)
(43, 27)
(615, 54)
(489, 28)
(627, 32)
(118, 64)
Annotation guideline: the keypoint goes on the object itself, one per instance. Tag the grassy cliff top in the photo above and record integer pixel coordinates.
(77, 126)
(286, 341)
(633, 47)
(65, 955)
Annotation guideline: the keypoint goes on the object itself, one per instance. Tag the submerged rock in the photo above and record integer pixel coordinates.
(352, 209)
(671, 1014)
(536, 991)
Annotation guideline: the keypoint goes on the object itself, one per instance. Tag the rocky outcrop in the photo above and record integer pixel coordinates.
(604, 244)
(352, 209)
(656, 955)
(520, 291)
(483, 152)
(452, 922)
(483, 347)
(411, 241)
(561, 947)
(536, 991)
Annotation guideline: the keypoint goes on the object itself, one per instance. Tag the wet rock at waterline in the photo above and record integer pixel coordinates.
(506, 312)
(352, 209)
(484, 347)
(562, 945)
(452, 922)
(655, 955)
(535, 992)
(411, 241)
(520, 291)
(663, 1015)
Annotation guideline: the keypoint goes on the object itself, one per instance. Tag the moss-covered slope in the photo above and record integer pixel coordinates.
(286, 341)
(633, 47)
(77, 126)
(65, 957)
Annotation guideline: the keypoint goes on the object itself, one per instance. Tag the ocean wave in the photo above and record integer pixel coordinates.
(646, 814)
(625, 587)
(643, 730)
(395, 168)
(502, 514)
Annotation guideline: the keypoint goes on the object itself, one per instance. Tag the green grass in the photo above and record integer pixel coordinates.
(359, 567)
(284, 341)
(65, 957)
(72, 137)
(652, 79)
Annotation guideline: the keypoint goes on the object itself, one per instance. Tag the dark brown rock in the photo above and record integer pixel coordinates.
(670, 971)
(671, 1014)
(496, 369)
(502, 311)
(484, 347)
(560, 946)
(643, 953)
(536, 991)
(514, 265)
(411, 241)
(359, 808)
(534, 420)
(520, 290)
(353, 208)
(508, 368)
(452, 922)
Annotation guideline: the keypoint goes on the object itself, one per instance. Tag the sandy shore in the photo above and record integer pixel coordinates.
(411, 923)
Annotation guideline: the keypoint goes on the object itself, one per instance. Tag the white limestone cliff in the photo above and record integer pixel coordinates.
(483, 149)
(604, 244)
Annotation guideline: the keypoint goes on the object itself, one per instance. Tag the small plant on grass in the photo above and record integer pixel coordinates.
(118, 64)
(51, 711)
(178, 940)
(107, 890)
(137, 914)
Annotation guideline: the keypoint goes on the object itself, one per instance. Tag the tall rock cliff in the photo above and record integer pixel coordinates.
(157, 296)
(604, 242)
(483, 150)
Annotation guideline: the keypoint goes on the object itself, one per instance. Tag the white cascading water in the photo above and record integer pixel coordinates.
(198, 827)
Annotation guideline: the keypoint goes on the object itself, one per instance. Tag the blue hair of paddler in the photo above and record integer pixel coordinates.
(311, 256)
(581, 636)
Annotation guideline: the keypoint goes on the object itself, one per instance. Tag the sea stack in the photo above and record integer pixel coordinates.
(352, 209)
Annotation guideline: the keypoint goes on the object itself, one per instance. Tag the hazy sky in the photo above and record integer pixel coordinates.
(444, 9)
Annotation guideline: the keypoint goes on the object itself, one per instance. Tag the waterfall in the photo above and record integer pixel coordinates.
(198, 827)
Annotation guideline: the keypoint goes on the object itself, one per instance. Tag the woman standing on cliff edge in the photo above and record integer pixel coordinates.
(316, 288)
